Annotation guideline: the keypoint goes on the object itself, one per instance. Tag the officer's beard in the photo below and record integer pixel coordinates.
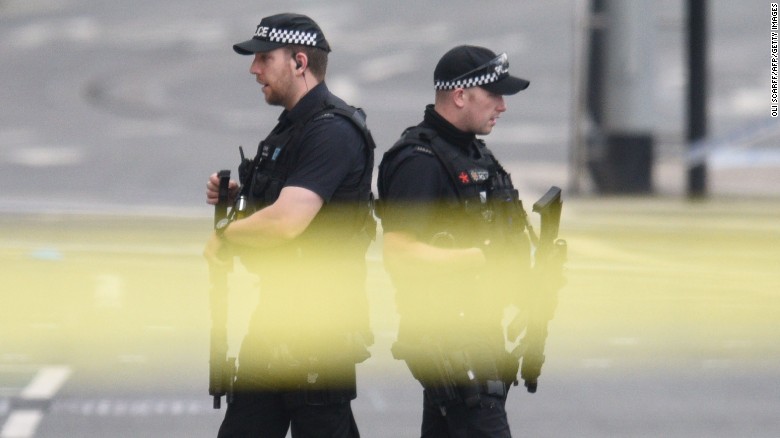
(279, 92)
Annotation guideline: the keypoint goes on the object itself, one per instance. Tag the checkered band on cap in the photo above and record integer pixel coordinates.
(484, 79)
(298, 37)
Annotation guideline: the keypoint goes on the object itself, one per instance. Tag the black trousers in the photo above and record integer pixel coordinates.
(265, 414)
(262, 407)
(486, 420)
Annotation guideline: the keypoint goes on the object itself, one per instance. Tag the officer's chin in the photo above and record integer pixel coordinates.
(487, 130)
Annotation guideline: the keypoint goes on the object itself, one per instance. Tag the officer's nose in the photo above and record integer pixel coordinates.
(255, 67)
(501, 104)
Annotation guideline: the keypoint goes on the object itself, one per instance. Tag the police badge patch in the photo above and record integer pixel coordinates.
(479, 175)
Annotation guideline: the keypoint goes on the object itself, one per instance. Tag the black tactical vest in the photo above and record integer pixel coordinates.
(264, 177)
(487, 199)
(487, 210)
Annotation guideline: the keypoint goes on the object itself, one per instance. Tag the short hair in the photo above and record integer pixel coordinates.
(442, 94)
(318, 58)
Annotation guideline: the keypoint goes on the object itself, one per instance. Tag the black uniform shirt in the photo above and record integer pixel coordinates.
(331, 156)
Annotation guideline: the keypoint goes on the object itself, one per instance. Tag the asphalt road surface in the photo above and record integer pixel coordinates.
(113, 114)
(129, 105)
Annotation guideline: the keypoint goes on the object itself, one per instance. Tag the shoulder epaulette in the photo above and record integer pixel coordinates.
(323, 116)
(424, 150)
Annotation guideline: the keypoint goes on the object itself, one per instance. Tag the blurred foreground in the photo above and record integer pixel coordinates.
(667, 327)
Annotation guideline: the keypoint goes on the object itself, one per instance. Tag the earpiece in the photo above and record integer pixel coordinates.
(297, 64)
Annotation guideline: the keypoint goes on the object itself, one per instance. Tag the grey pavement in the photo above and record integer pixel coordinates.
(131, 104)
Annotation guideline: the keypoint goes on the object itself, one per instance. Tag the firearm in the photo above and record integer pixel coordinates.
(222, 369)
(549, 257)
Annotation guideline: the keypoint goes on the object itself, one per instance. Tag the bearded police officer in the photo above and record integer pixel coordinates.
(304, 231)
(453, 270)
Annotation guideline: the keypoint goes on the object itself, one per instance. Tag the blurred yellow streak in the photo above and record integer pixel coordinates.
(651, 282)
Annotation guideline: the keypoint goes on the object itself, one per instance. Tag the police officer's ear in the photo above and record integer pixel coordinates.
(300, 61)
(458, 97)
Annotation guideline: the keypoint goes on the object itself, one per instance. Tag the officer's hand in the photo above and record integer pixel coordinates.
(212, 190)
(218, 254)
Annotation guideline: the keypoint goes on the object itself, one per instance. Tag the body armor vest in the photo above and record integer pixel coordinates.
(487, 200)
(264, 177)
(487, 209)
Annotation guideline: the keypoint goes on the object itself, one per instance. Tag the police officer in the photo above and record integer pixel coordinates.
(444, 247)
(304, 230)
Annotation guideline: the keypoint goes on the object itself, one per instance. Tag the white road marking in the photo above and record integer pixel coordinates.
(21, 424)
(46, 383)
